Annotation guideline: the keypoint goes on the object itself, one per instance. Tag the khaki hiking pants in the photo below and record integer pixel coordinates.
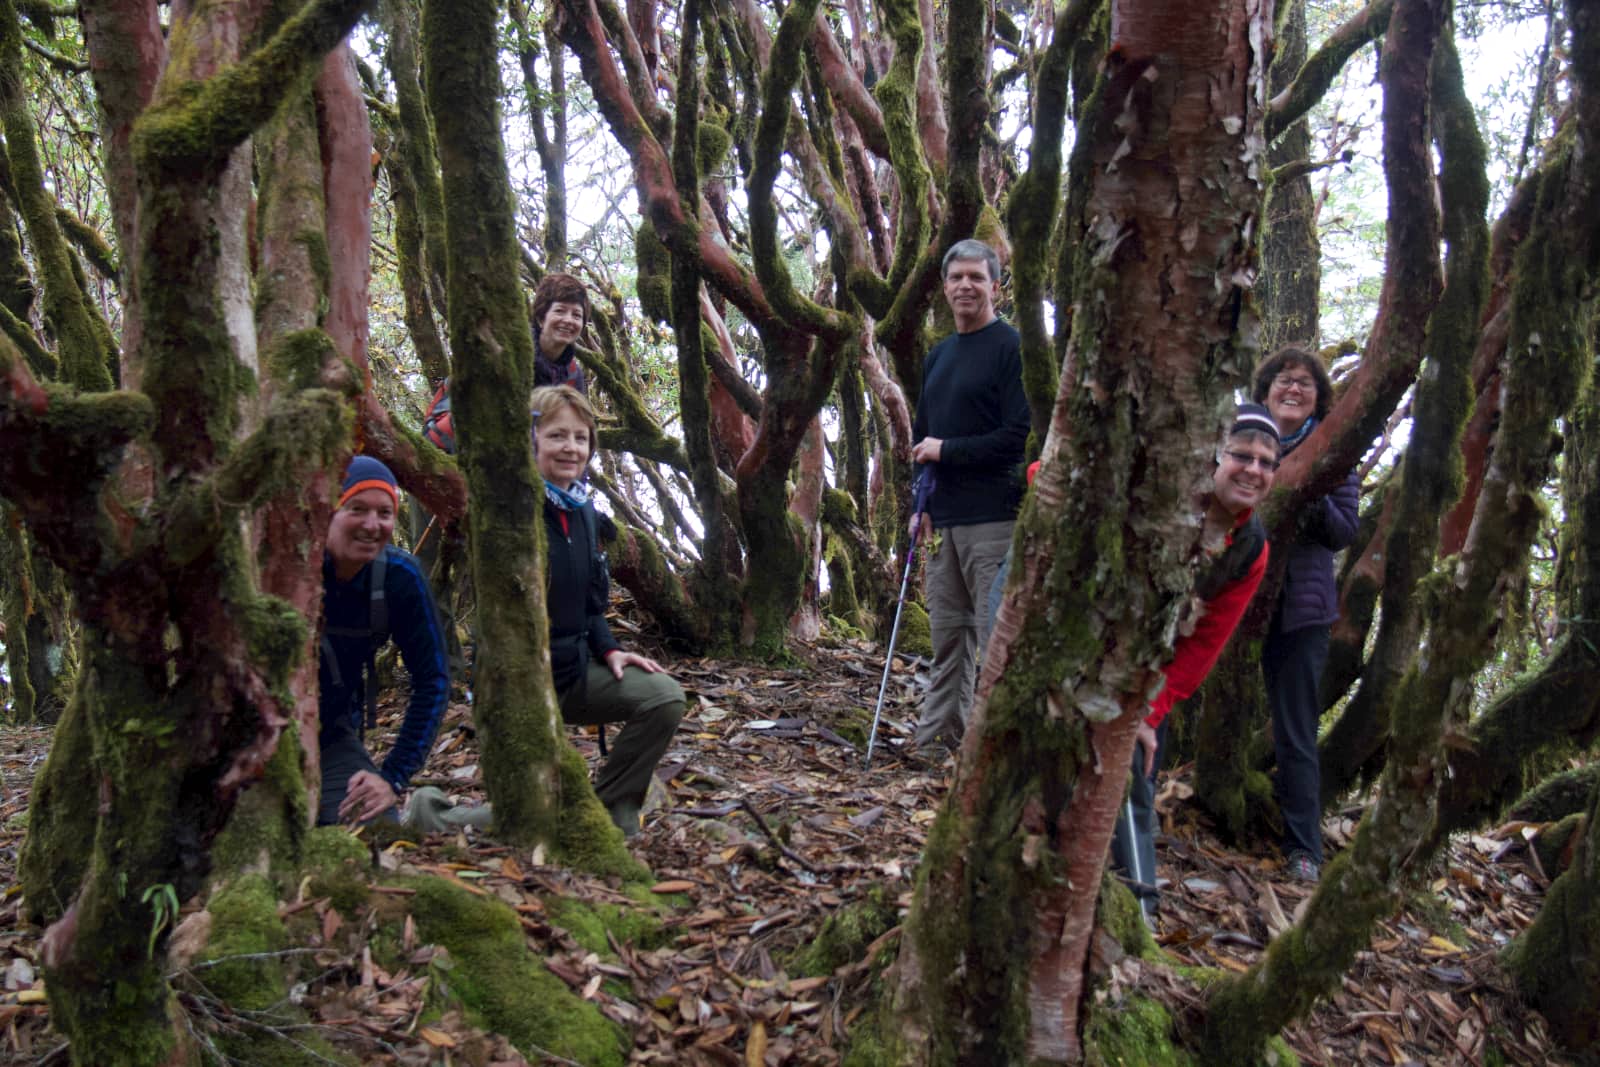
(959, 577)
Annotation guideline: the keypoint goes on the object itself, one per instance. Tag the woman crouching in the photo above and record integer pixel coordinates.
(596, 680)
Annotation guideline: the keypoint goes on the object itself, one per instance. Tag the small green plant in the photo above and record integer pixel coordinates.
(163, 900)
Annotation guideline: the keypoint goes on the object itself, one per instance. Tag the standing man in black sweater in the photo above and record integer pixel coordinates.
(972, 423)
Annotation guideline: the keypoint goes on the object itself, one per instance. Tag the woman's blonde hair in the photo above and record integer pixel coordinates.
(549, 399)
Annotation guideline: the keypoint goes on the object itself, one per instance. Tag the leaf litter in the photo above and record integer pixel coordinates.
(764, 825)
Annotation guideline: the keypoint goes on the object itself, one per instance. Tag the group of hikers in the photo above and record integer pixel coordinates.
(374, 592)
(972, 419)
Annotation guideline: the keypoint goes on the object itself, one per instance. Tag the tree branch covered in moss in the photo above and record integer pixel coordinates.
(1319, 71)
(40, 359)
(84, 349)
(783, 72)
(90, 243)
(843, 82)
(57, 449)
(199, 127)
(1549, 361)
(1411, 284)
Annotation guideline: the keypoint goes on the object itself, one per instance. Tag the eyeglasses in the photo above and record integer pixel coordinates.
(1248, 459)
(1285, 381)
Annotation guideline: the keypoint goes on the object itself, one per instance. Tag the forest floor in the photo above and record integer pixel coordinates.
(768, 825)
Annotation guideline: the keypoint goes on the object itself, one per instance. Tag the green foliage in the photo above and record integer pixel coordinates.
(163, 903)
(339, 866)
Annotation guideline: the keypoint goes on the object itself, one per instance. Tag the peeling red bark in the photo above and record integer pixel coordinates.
(806, 505)
(888, 393)
(126, 52)
(1174, 155)
(346, 137)
(732, 428)
(930, 98)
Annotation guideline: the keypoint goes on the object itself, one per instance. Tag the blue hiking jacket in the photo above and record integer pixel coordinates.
(413, 624)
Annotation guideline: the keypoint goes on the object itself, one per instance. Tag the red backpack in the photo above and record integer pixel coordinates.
(437, 426)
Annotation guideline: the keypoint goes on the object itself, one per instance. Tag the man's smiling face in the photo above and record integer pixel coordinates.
(1245, 472)
(971, 293)
(359, 530)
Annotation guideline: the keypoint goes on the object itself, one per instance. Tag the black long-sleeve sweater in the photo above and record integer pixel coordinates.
(972, 400)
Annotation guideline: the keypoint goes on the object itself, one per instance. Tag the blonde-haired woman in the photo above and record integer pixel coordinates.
(596, 680)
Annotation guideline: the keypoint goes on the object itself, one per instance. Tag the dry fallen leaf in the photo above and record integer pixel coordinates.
(755, 1048)
(436, 1038)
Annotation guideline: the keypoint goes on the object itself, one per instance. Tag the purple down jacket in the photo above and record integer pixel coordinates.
(1309, 596)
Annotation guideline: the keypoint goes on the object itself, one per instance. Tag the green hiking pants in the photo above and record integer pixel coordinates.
(649, 707)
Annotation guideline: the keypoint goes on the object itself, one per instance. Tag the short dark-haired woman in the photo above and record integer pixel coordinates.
(560, 312)
(1295, 387)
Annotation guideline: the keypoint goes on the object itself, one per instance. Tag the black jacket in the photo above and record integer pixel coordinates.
(575, 595)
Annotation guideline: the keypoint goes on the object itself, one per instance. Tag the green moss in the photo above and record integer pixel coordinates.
(712, 146)
(245, 923)
(1135, 1032)
(266, 832)
(503, 985)
(589, 923)
(588, 839)
(340, 867)
(915, 636)
(845, 935)
(1118, 912)
(1555, 843)
(842, 600)
(654, 280)
(297, 359)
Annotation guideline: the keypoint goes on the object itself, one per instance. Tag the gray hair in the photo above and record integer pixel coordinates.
(968, 251)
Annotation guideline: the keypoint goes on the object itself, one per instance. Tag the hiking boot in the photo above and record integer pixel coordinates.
(1301, 867)
(626, 817)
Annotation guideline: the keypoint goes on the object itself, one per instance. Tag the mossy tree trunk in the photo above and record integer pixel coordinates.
(527, 762)
(35, 608)
(83, 340)
(993, 961)
(1553, 960)
(1291, 255)
(418, 200)
(1388, 368)
(1558, 703)
(1548, 363)
(547, 104)
(185, 681)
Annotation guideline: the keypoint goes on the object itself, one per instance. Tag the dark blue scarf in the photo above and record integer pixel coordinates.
(1287, 443)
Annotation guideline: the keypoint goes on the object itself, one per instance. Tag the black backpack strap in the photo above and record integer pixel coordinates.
(377, 630)
(599, 562)
(1235, 561)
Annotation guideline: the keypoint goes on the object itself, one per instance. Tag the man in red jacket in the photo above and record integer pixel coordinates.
(1246, 466)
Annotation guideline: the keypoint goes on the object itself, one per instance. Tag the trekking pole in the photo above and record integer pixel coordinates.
(924, 488)
(424, 538)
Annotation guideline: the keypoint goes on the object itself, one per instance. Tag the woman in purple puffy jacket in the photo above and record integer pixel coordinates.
(1295, 387)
